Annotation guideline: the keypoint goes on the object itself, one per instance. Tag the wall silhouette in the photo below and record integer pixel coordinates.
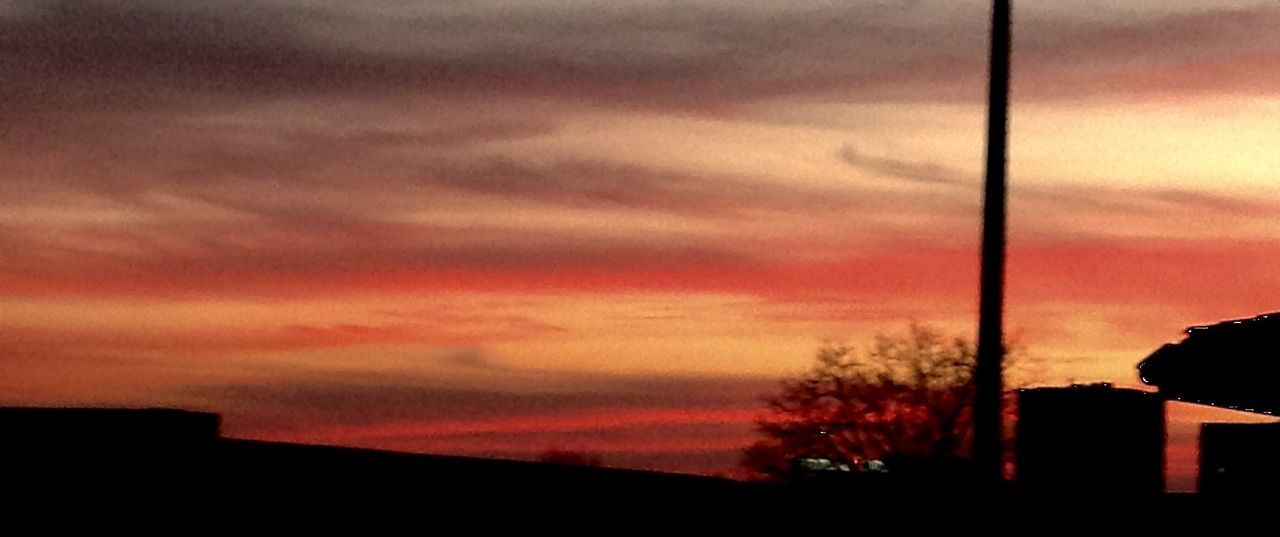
(1239, 459)
(1092, 439)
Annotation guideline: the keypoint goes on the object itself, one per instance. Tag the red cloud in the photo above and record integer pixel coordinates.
(1206, 276)
(1256, 74)
(475, 330)
(568, 422)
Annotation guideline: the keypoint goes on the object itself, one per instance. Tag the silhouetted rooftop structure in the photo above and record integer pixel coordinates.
(1232, 364)
(53, 427)
(1093, 439)
(183, 453)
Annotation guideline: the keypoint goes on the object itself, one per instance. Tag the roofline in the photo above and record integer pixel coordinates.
(1256, 318)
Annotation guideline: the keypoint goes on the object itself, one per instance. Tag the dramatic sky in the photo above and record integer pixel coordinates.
(491, 227)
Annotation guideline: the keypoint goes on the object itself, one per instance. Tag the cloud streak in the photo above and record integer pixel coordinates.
(691, 423)
(145, 53)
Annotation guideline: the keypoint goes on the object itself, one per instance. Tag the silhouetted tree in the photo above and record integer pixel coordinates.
(909, 396)
(572, 458)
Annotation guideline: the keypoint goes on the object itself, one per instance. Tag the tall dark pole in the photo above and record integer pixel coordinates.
(989, 384)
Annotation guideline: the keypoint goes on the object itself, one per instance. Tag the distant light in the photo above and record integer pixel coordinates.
(821, 465)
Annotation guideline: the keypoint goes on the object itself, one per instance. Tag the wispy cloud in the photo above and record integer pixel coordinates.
(703, 56)
(385, 403)
(920, 172)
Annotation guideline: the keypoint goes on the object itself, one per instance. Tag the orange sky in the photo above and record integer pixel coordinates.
(494, 227)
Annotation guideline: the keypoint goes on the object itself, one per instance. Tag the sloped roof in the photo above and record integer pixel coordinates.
(1232, 364)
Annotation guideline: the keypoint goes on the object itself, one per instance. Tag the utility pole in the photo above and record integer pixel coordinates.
(988, 373)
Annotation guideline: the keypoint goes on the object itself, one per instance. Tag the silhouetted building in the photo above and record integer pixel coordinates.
(181, 456)
(1230, 364)
(1239, 458)
(52, 428)
(76, 443)
(1092, 439)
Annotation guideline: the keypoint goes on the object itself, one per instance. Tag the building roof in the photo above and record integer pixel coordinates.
(1231, 364)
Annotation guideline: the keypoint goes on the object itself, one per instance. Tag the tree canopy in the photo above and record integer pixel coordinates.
(907, 396)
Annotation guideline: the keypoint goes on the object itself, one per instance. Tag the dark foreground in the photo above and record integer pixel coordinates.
(159, 463)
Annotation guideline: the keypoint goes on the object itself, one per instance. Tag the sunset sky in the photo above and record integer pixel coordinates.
(491, 227)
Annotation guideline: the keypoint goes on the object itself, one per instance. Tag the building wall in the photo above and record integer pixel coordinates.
(1239, 458)
(1090, 439)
